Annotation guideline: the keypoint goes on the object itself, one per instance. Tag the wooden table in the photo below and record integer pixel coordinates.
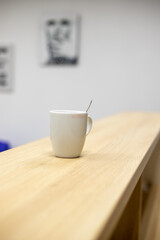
(107, 193)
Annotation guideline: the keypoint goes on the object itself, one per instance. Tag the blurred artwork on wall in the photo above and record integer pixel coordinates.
(6, 57)
(60, 35)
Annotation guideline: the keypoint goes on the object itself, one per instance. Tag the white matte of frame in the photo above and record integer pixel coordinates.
(6, 64)
(60, 39)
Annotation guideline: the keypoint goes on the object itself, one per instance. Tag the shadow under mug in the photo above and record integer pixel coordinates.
(68, 130)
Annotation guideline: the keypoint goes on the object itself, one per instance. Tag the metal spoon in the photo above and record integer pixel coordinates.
(89, 105)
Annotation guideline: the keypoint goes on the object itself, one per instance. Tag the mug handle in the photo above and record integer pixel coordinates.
(89, 125)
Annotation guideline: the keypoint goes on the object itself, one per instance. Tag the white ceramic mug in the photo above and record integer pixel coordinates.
(68, 130)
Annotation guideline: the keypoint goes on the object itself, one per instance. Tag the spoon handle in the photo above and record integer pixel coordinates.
(89, 105)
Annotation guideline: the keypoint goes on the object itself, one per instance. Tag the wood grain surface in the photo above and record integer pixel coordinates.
(47, 198)
(151, 218)
(129, 224)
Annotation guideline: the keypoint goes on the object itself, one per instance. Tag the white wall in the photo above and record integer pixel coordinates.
(119, 63)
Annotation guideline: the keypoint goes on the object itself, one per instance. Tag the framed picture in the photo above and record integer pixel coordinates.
(6, 53)
(60, 35)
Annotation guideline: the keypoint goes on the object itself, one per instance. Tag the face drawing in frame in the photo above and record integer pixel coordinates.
(61, 41)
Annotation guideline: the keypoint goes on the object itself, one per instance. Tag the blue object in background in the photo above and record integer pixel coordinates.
(4, 146)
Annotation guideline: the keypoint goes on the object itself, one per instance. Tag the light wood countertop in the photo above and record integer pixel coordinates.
(47, 198)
